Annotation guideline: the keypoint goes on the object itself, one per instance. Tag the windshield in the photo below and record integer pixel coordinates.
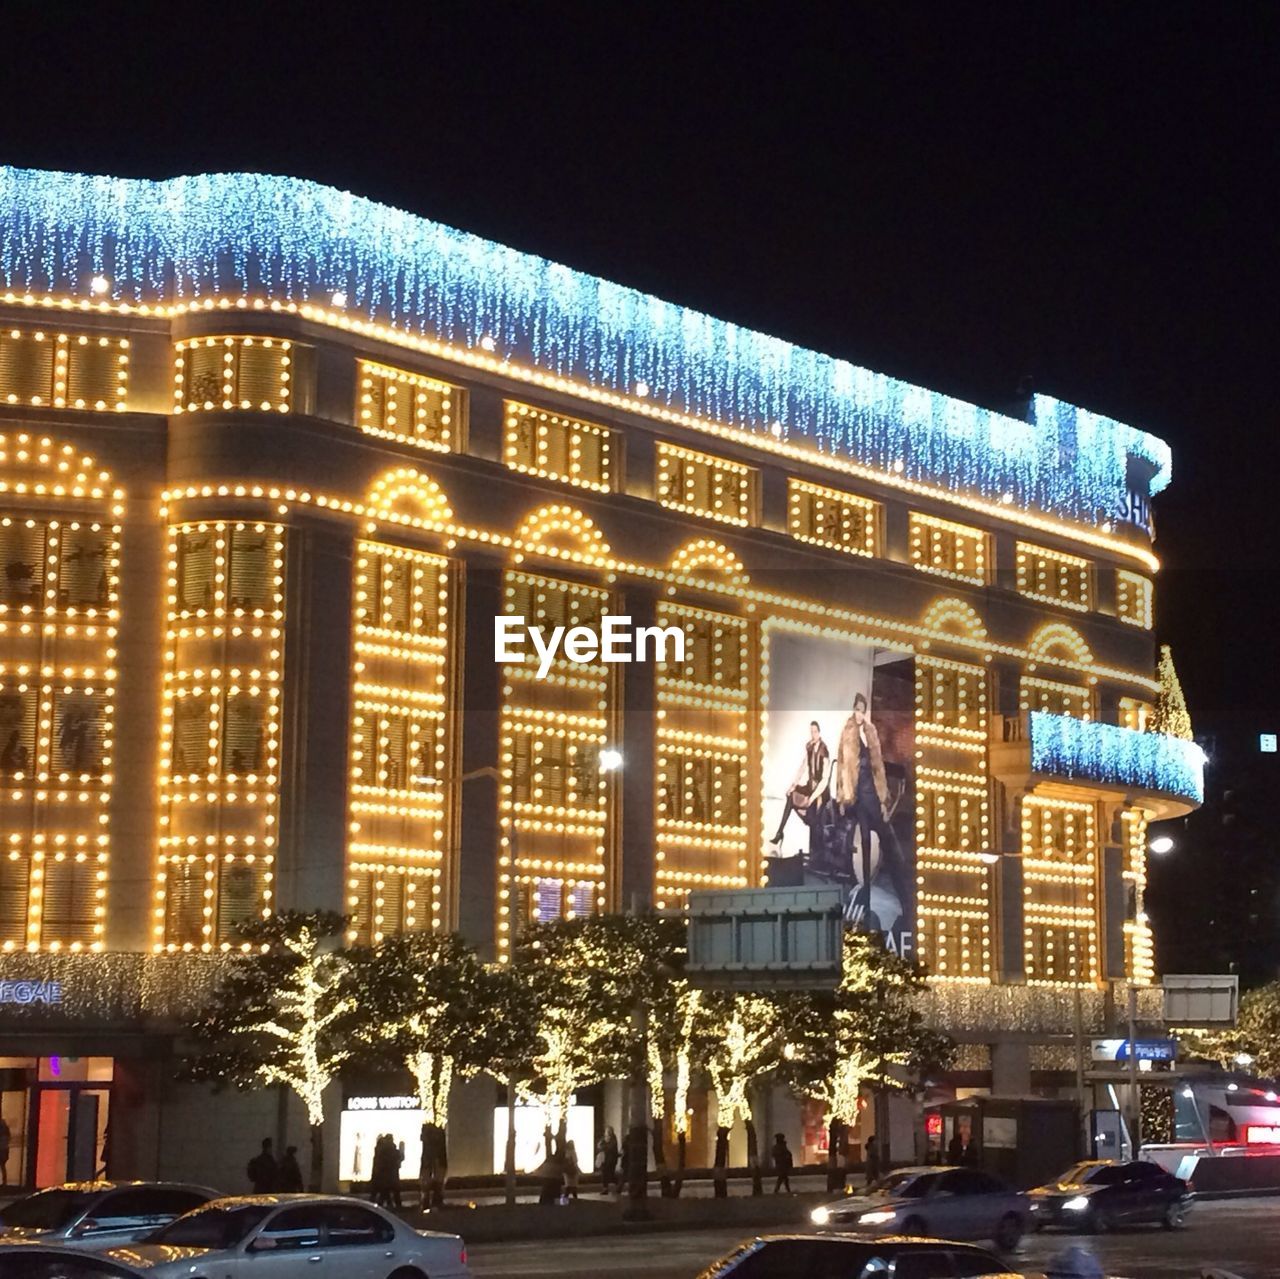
(1084, 1174)
(212, 1227)
(903, 1185)
(47, 1209)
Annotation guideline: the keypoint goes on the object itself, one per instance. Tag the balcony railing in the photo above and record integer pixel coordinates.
(1085, 751)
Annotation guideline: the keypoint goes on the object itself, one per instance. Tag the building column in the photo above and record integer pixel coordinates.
(480, 775)
(311, 866)
(634, 817)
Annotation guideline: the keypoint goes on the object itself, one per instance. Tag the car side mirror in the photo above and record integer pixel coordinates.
(262, 1245)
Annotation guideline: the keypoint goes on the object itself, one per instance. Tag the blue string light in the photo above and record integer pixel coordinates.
(1063, 746)
(234, 234)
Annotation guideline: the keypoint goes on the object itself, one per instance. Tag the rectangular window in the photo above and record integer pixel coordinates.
(1060, 906)
(185, 901)
(18, 713)
(242, 896)
(700, 788)
(248, 373)
(252, 582)
(1135, 714)
(197, 551)
(949, 695)
(79, 747)
(553, 770)
(15, 873)
(1056, 699)
(1053, 576)
(81, 371)
(399, 405)
(23, 563)
(951, 550)
(828, 517)
(246, 731)
(192, 726)
(951, 819)
(703, 485)
(1133, 599)
(400, 591)
(70, 900)
(559, 448)
(84, 567)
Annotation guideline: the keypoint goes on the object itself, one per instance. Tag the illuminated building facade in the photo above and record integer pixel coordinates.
(274, 458)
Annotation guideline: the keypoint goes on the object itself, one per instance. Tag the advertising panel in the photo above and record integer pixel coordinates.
(839, 784)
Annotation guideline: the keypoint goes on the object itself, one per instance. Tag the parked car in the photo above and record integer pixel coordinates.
(1101, 1194)
(283, 1236)
(948, 1203)
(837, 1256)
(99, 1214)
(56, 1261)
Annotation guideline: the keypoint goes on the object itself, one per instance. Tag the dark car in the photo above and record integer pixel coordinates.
(1101, 1194)
(833, 1256)
(56, 1261)
(99, 1214)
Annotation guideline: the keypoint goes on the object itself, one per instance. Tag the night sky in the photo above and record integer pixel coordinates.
(963, 195)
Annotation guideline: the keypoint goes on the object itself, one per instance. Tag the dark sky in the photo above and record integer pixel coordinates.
(959, 194)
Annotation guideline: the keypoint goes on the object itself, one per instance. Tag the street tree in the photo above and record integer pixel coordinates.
(743, 1039)
(1254, 1041)
(430, 1005)
(867, 1033)
(282, 1014)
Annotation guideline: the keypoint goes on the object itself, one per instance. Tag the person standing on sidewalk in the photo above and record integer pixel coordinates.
(607, 1160)
(872, 1151)
(782, 1164)
(262, 1169)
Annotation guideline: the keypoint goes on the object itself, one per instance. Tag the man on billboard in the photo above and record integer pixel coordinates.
(811, 790)
(862, 791)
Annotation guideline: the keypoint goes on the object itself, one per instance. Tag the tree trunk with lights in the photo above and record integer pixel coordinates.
(753, 1158)
(835, 1157)
(681, 1155)
(317, 1158)
(719, 1172)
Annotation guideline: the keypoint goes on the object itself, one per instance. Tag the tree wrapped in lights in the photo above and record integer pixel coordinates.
(1170, 716)
(1254, 1041)
(282, 1013)
(744, 1037)
(429, 1005)
(603, 990)
(867, 1033)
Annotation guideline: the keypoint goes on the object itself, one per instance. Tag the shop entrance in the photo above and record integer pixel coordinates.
(56, 1112)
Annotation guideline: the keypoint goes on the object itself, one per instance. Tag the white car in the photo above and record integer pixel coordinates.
(289, 1236)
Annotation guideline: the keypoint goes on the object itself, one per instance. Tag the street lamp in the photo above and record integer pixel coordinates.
(1161, 844)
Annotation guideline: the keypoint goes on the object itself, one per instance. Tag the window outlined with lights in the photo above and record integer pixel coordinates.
(552, 446)
(556, 803)
(59, 617)
(702, 484)
(40, 368)
(220, 732)
(1054, 577)
(412, 408)
(949, 549)
(401, 740)
(1133, 599)
(835, 519)
(223, 373)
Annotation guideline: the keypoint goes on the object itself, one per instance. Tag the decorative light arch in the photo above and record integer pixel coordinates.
(1056, 639)
(705, 557)
(405, 495)
(562, 530)
(39, 467)
(955, 617)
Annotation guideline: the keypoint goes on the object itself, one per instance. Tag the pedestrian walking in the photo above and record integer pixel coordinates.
(433, 1171)
(289, 1172)
(872, 1161)
(383, 1175)
(397, 1161)
(607, 1160)
(571, 1170)
(262, 1170)
(782, 1164)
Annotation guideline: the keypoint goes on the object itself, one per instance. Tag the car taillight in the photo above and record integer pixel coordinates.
(462, 1255)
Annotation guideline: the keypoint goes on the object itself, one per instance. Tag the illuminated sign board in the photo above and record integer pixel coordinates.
(1267, 743)
(383, 1103)
(1146, 1049)
(30, 992)
(1262, 1134)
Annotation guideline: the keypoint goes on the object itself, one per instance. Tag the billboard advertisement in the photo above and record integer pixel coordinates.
(839, 782)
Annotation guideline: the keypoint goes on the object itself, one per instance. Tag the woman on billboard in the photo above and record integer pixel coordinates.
(811, 788)
(862, 791)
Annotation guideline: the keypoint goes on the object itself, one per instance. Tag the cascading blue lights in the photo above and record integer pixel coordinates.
(231, 235)
(1063, 746)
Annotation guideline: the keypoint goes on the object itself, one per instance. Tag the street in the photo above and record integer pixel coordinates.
(1242, 1236)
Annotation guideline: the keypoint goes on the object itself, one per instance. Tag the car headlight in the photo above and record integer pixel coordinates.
(1079, 1204)
(877, 1218)
(820, 1216)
